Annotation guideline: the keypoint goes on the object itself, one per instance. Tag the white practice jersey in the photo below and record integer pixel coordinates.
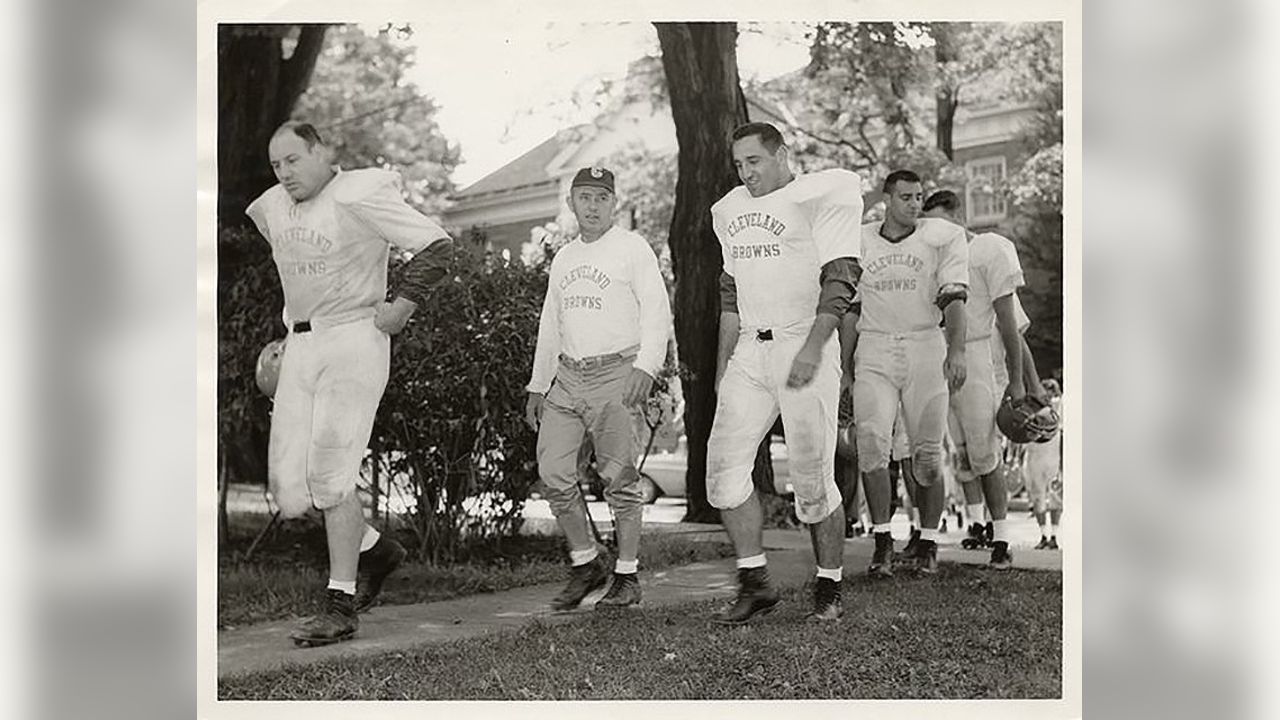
(332, 249)
(994, 272)
(900, 280)
(774, 246)
(603, 297)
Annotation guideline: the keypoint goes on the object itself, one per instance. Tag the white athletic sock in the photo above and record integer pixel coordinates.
(626, 567)
(974, 510)
(880, 528)
(998, 530)
(835, 574)
(1044, 530)
(1054, 531)
(582, 557)
(346, 587)
(929, 534)
(754, 561)
(370, 538)
(915, 517)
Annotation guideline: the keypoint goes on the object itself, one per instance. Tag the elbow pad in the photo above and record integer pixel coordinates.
(839, 278)
(427, 268)
(949, 293)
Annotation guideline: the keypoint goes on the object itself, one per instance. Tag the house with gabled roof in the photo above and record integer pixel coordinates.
(510, 204)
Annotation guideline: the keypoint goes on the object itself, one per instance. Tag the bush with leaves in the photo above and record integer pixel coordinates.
(450, 433)
(1035, 225)
(249, 306)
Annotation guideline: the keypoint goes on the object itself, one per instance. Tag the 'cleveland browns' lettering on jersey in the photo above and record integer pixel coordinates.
(901, 279)
(774, 246)
(332, 249)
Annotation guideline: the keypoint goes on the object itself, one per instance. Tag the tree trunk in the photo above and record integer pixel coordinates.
(946, 98)
(700, 62)
(224, 486)
(946, 105)
(257, 87)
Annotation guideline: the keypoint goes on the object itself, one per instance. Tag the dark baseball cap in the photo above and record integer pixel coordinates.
(594, 177)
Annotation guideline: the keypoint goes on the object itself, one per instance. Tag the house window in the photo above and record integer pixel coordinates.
(984, 202)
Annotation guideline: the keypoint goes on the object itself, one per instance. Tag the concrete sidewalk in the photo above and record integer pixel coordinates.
(402, 627)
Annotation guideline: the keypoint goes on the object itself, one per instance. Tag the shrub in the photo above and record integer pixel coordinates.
(449, 437)
(1035, 226)
(450, 433)
(249, 307)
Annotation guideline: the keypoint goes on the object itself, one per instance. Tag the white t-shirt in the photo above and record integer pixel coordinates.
(603, 297)
(774, 246)
(331, 250)
(994, 272)
(900, 280)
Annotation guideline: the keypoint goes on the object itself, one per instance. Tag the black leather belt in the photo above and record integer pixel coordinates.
(764, 335)
(302, 326)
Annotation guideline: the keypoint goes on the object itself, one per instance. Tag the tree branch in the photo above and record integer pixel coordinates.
(862, 133)
(841, 142)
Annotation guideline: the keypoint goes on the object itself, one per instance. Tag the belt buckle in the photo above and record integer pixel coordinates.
(302, 326)
(764, 335)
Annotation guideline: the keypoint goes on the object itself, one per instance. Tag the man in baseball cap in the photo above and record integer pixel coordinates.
(602, 339)
(595, 176)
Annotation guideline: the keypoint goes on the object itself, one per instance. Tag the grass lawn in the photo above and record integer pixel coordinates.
(967, 633)
(286, 575)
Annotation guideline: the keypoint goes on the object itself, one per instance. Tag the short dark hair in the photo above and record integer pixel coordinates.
(304, 130)
(768, 134)
(898, 176)
(944, 199)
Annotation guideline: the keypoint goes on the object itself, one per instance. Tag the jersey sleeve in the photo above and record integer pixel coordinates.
(546, 350)
(258, 212)
(953, 258)
(373, 197)
(1004, 272)
(655, 307)
(836, 215)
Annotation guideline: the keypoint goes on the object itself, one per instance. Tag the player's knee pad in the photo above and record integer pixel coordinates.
(813, 508)
(873, 450)
(293, 500)
(986, 465)
(983, 457)
(329, 498)
(332, 475)
(926, 464)
(726, 493)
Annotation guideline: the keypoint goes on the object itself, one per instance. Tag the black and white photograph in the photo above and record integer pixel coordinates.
(665, 359)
